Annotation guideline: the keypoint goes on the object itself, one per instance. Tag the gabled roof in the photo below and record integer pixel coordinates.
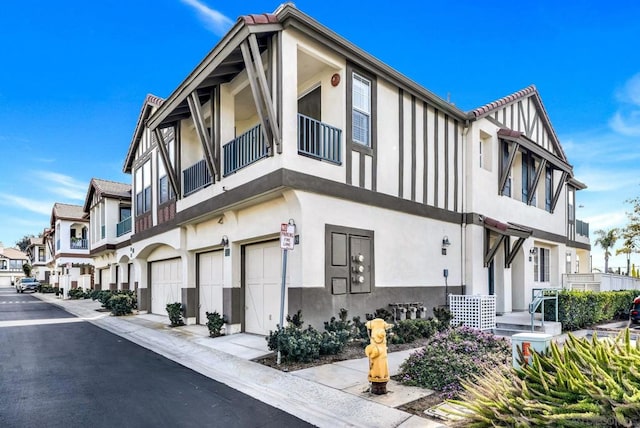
(149, 103)
(36, 241)
(66, 212)
(106, 189)
(529, 91)
(285, 16)
(13, 254)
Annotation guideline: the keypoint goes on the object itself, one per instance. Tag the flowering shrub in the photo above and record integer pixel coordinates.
(454, 355)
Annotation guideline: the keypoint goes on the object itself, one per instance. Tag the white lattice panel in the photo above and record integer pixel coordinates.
(477, 312)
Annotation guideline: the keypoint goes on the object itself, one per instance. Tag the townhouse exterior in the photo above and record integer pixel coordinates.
(67, 248)
(108, 206)
(397, 196)
(36, 251)
(11, 262)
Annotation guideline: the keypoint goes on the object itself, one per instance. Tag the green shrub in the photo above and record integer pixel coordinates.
(120, 304)
(580, 309)
(407, 331)
(339, 324)
(215, 321)
(46, 288)
(381, 313)
(333, 342)
(359, 329)
(453, 355)
(444, 317)
(586, 383)
(76, 293)
(296, 320)
(296, 344)
(175, 314)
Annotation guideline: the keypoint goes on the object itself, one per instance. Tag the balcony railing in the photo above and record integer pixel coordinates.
(123, 227)
(79, 244)
(582, 228)
(196, 177)
(244, 150)
(318, 140)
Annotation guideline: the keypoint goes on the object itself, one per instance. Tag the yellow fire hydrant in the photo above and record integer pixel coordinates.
(377, 353)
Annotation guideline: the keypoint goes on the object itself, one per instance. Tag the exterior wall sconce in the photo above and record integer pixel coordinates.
(445, 244)
(225, 241)
(532, 252)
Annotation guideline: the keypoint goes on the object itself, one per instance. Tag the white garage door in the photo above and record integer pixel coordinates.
(5, 281)
(263, 267)
(166, 284)
(210, 280)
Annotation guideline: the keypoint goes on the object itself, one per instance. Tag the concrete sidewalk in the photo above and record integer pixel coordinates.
(326, 396)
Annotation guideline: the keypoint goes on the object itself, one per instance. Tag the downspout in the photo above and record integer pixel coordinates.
(463, 228)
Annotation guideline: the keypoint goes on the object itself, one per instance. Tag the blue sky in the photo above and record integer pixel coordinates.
(74, 74)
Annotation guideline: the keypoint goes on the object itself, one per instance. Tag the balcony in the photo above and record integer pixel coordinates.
(318, 140)
(79, 244)
(244, 150)
(196, 177)
(582, 228)
(123, 227)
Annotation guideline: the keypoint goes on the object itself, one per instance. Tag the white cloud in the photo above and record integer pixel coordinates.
(63, 185)
(626, 124)
(215, 21)
(626, 121)
(630, 92)
(33, 205)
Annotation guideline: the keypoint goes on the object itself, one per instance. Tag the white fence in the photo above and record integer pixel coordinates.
(477, 311)
(599, 282)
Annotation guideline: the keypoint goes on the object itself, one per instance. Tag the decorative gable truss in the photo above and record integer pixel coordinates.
(525, 126)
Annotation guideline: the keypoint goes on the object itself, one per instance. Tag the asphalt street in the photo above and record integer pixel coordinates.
(59, 371)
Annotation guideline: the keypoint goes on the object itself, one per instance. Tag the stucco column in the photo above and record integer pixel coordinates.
(189, 274)
(502, 283)
(141, 275)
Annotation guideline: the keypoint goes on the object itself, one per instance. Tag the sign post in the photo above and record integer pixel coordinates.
(287, 241)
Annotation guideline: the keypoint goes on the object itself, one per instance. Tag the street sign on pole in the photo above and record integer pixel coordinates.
(287, 236)
(287, 241)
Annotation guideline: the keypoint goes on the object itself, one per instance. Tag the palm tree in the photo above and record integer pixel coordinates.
(628, 247)
(606, 239)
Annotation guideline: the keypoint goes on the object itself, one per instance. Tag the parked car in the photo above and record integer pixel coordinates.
(27, 284)
(634, 315)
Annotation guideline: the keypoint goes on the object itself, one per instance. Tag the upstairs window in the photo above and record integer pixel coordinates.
(143, 188)
(548, 188)
(361, 110)
(165, 192)
(505, 163)
(528, 176)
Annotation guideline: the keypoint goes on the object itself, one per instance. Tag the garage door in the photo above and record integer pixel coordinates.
(263, 264)
(5, 281)
(210, 280)
(166, 284)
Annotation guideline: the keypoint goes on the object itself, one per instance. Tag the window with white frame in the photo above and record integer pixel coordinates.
(484, 148)
(143, 188)
(361, 110)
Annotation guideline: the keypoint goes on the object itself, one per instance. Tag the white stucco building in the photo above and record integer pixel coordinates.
(397, 195)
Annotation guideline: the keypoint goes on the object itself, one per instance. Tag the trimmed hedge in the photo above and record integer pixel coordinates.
(580, 309)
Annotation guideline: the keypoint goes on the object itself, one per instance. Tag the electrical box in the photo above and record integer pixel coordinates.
(528, 342)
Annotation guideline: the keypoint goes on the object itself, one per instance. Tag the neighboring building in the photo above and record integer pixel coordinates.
(11, 261)
(108, 206)
(36, 251)
(397, 195)
(68, 239)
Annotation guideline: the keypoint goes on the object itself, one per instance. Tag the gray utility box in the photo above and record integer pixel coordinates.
(529, 342)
